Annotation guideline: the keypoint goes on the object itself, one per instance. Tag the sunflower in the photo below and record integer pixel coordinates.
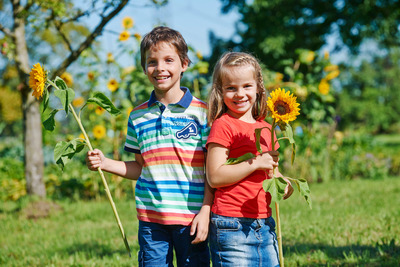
(112, 85)
(37, 80)
(67, 77)
(332, 75)
(127, 22)
(99, 110)
(91, 76)
(77, 102)
(110, 57)
(123, 36)
(283, 106)
(138, 36)
(99, 131)
(323, 87)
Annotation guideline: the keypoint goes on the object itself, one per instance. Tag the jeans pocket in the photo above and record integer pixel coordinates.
(271, 223)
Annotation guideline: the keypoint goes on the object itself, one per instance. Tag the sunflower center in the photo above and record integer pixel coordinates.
(282, 107)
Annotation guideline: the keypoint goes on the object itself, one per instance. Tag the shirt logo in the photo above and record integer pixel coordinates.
(189, 130)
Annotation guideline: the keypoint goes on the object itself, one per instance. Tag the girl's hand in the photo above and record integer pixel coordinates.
(288, 189)
(268, 161)
(95, 159)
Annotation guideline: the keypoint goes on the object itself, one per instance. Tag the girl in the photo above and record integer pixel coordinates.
(242, 231)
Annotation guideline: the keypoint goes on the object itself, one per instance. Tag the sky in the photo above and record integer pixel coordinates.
(194, 19)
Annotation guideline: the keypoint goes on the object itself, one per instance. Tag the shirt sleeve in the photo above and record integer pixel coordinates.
(220, 133)
(131, 143)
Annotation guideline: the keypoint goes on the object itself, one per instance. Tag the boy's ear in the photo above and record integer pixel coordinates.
(185, 65)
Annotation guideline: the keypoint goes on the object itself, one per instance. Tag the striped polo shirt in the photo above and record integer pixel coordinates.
(171, 140)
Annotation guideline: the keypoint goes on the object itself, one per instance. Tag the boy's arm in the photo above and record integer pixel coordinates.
(201, 221)
(128, 169)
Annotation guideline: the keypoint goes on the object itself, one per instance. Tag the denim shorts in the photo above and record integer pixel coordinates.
(157, 242)
(243, 241)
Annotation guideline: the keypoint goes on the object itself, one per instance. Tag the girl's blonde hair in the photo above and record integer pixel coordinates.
(216, 103)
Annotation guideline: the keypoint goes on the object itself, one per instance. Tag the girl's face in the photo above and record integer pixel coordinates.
(164, 67)
(239, 90)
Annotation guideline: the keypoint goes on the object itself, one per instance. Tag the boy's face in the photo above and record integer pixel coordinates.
(164, 67)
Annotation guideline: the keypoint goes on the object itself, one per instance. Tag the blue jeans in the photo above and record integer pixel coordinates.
(243, 241)
(157, 242)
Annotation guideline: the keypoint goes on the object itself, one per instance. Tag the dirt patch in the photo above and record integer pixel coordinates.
(40, 209)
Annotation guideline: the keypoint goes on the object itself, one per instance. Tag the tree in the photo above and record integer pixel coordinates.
(273, 30)
(22, 32)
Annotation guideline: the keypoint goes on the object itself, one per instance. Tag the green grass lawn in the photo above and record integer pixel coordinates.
(353, 223)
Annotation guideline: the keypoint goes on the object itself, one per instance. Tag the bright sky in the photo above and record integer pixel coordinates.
(194, 19)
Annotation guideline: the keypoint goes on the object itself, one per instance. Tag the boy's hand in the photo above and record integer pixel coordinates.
(200, 225)
(94, 159)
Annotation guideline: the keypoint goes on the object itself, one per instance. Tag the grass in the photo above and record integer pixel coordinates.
(352, 223)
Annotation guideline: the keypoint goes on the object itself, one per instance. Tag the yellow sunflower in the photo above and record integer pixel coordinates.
(110, 57)
(112, 85)
(331, 68)
(91, 76)
(332, 75)
(67, 77)
(127, 22)
(283, 106)
(77, 102)
(138, 36)
(123, 36)
(99, 110)
(37, 80)
(99, 131)
(323, 87)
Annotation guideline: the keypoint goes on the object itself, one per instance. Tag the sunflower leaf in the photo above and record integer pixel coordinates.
(46, 97)
(258, 136)
(276, 187)
(244, 157)
(49, 124)
(60, 83)
(289, 133)
(303, 188)
(103, 101)
(65, 151)
(66, 96)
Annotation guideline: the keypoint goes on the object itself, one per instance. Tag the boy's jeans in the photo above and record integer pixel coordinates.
(157, 242)
(243, 241)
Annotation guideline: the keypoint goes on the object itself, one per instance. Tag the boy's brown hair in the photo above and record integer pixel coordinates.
(216, 105)
(167, 35)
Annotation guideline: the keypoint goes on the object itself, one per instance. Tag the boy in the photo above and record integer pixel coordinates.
(167, 134)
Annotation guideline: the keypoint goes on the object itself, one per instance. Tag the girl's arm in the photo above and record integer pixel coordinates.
(128, 169)
(219, 174)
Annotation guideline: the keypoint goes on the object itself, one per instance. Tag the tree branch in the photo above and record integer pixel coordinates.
(89, 40)
(6, 31)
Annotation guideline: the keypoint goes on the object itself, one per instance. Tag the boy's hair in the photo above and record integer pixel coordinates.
(167, 35)
(216, 103)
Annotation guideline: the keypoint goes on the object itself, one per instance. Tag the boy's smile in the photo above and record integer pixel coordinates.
(163, 69)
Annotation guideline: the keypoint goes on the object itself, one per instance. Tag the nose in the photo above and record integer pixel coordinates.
(160, 66)
(240, 92)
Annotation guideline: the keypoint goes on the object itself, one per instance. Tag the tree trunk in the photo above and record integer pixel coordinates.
(32, 124)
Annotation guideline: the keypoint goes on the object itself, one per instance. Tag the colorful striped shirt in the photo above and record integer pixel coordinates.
(171, 140)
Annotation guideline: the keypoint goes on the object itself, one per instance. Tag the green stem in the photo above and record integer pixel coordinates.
(278, 220)
(71, 108)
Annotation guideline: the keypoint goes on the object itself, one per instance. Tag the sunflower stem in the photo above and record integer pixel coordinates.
(110, 199)
(278, 220)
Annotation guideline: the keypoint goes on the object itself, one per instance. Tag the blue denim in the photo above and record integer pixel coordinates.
(243, 242)
(157, 242)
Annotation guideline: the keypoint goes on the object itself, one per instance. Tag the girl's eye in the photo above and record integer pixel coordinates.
(169, 60)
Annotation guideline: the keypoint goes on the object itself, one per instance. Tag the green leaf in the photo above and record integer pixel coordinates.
(60, 83)
(66, 96)
(293, 153)
(49, 124)
(240, 159)
(65, 151)
(276, 187)
(46, 97)
(303, 189)
(258, 136)
(289, 133)
(103, 101)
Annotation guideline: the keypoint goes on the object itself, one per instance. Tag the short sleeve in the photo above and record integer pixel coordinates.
(131, 143)
(220, 133)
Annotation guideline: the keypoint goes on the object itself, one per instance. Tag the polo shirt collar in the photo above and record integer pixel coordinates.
(184, 102)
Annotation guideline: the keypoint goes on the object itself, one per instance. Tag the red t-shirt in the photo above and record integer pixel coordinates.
(247, 197)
